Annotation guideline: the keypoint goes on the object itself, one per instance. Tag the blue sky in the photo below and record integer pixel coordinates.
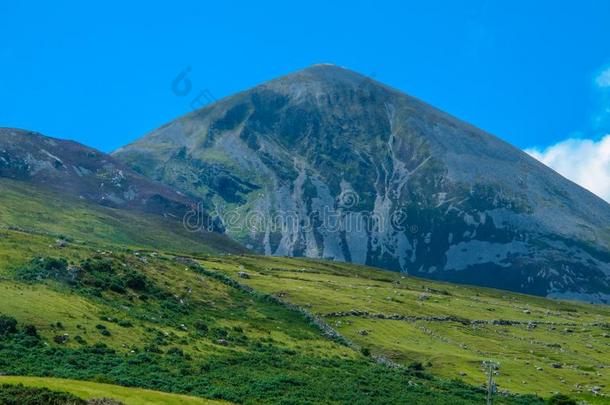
(101, 72)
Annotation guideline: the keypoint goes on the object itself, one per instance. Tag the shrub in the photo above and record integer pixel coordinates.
(125, 324)
(200, 326)
(42, 268)
(100, 349)
(60, 339)
(8, 325)
(136, 281)
(365, 351)
(30, 330)
(98, 266)
(220, 333)
(561, 399)
(79, 339)
(53, 264)
(117, 287)
(21, 395)
(175, 351)
(153, 349)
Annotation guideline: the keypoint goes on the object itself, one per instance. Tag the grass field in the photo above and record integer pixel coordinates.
(91, 390)
(187, 297)
(44, 211)
(184, 328)
(542, 346)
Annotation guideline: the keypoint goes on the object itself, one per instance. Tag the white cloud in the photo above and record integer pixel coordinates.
(584, 161)
(603, 80)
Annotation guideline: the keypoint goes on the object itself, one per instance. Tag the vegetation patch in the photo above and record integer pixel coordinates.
(266, 374)
(543, 346)
(22, 395)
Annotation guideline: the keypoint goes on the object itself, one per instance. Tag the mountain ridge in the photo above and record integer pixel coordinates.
(53, 184)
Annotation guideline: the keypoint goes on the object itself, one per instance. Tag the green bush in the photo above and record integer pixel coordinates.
(125, 324)
(200, 326)
(219, 333)
(42, 268)
(561, 399)
(60, 339)
(79, 339)
(21, 395)
(30, 330)
(175, 351)
(97, 265)
(136, 281)
(8, 325)
(416, 366)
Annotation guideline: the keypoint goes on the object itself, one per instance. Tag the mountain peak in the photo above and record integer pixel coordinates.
(321, 76)
(327, 68)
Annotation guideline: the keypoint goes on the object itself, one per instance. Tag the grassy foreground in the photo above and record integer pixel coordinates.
(153, 320)
(91, 390)
(542, 346)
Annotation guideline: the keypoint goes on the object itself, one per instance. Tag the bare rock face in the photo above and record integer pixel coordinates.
(327, 163)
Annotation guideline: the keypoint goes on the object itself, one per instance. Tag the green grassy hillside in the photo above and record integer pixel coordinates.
(91, 390)
(156, 321)
(542, 346)
(27, 207)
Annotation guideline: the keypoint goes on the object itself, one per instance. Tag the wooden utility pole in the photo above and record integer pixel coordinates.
(491, 386)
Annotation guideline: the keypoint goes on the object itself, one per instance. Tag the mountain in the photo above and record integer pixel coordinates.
(327, 163)
(53, 185)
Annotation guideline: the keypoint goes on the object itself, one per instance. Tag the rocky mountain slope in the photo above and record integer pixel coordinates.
(326, 163)
(52, 185)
